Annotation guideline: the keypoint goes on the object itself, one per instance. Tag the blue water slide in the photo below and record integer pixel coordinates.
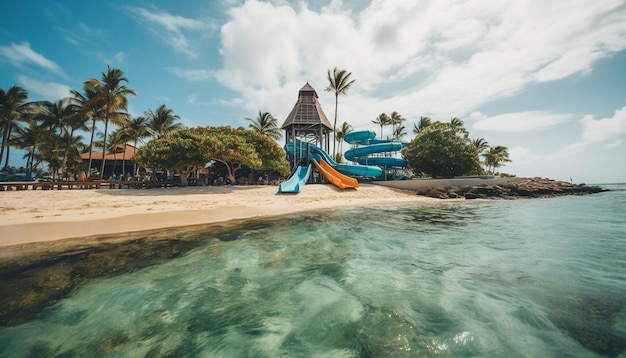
(346, 169)
(361, 154)
(297, 180)
(360, 137)
(370, 145)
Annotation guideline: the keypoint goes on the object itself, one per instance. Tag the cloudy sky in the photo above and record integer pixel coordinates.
(547, 79)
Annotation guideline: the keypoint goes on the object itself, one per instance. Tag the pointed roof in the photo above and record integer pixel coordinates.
(307, 110)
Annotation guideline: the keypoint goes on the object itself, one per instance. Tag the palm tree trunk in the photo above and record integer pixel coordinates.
(93, 131)
(124, 161)
(104, 147)
(5, 139)
(6, 143)
(335, 123)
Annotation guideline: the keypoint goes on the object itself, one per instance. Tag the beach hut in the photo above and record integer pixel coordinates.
(120, 161)
(307, 121)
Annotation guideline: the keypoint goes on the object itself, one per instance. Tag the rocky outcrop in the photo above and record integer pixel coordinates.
(514, 189)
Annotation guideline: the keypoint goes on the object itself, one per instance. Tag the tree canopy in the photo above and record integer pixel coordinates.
(442, 150)
(185, 150)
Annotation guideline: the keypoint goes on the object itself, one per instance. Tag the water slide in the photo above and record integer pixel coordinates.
(297, 180)
(346, 169)
(339, 180)
(369, 145)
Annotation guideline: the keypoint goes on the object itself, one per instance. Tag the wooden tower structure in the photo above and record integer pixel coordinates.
(307, 121)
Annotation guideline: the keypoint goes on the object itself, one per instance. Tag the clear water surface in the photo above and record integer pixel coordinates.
(523, 278)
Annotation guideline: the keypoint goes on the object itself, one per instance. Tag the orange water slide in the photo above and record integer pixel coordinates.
(339, 180)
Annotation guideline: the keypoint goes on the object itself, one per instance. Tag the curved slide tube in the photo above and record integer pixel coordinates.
(297, 180)
(346, 169)
(339, 180)
(360, 154)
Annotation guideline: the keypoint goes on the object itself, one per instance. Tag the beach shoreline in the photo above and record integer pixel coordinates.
(41, 216)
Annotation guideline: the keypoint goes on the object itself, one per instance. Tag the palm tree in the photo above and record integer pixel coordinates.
(382, 120)
(396, 120)
(48, 151)
(399, 132)
(89, 108)
(111, 96)
(341, 134)
(480, 145)
(495, 156)
(456, 123)
(13, 109)
(266, 124)
(63, 118)
(137, 130)
(423, 123)
(161, 121)
(30, 138)
(339, 83)
(115, 141)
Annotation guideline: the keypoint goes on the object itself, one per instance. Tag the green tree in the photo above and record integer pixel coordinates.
(266, 124)
(136, 130)
(440, 151)
(423, 123)
(112, 97)
(495, 157)
(398, 133)
(13, 110)
(480, 144)
(382, 120)
(339, 83)
(396, 120)
(115, 140)
(180, 152)
(162, 121)
(30, 138)
(91, 107)
(341, 134)
(189, 149)
(62, 117)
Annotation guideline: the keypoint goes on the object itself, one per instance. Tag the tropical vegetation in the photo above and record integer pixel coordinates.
(338, 82)
(48, 133)
(445, 150)
(266, 124)
(186, 150)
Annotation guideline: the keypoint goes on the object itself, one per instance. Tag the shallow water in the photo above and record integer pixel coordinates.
(523, 278)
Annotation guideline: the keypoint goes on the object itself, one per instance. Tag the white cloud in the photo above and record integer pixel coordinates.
(519, 121)
(49, 91)
(172, 28)
(522, 155)
(605, 130)
(191, 75)
(443, 59)
(23, 54)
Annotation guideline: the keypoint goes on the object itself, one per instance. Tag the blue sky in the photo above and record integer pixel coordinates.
(546, 79)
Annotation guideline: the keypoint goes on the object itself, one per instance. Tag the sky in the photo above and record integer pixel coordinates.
(546, 79)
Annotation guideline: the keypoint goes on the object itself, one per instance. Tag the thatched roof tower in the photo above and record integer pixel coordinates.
(307, 120)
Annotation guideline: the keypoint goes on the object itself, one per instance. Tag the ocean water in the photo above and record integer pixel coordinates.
(522, 278)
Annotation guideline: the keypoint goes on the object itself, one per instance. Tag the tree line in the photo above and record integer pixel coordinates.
(48, 131)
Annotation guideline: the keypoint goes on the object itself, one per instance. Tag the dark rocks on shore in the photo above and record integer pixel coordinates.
(514, 189)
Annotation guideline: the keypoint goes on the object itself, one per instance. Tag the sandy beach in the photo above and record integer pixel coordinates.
(37, 216)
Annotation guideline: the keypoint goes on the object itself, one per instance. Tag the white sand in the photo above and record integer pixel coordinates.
(35, 216)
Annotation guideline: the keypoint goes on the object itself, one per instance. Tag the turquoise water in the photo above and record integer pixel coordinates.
(523, 278)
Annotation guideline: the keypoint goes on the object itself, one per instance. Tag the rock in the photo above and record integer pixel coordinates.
(518, 188)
